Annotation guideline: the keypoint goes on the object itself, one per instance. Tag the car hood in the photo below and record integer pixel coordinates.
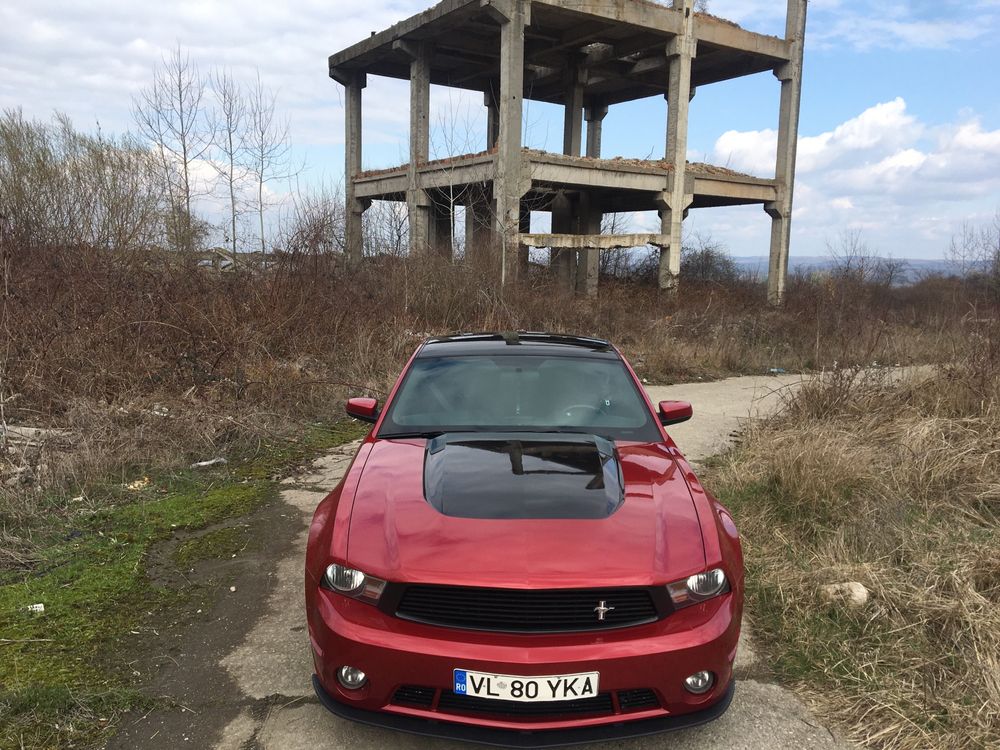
(524, 511)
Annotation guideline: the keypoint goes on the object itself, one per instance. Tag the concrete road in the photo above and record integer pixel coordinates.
(272, 669)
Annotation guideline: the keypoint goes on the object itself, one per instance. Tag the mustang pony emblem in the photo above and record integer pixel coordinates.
(602, 610)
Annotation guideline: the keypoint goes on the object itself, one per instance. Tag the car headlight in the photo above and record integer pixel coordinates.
(698, 588)
(353, 583)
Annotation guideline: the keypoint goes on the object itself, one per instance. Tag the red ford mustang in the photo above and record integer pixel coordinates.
(519, 555)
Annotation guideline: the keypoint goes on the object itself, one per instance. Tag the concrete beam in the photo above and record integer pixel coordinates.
(353, 229)
(595, 241)
(780, 211)
(342, 60)
(645, 16)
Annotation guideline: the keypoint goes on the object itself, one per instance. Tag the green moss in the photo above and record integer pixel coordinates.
(63, 668)
(214, 545)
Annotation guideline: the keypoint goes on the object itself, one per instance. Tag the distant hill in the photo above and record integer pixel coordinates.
(916, 268)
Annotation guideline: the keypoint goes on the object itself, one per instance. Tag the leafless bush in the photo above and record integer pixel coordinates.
(62, 187)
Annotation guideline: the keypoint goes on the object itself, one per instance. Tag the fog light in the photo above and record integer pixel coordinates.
(351, 678)
(700, 682)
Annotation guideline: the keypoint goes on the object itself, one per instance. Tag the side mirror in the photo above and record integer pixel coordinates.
(365, 409)
(675, 412)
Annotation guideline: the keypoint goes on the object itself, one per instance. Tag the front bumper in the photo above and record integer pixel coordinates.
(485, 735)
(395, 653)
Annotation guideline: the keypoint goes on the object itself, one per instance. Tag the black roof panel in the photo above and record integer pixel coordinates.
(522, 342)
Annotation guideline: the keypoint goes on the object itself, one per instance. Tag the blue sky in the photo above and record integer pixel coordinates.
(900, 119)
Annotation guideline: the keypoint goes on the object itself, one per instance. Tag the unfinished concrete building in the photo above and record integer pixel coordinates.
(586, 55)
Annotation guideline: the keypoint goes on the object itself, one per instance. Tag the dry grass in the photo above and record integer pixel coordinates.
(895, 485)
(151, 363)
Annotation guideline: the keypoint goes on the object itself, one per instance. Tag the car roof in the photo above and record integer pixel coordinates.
(527, 343)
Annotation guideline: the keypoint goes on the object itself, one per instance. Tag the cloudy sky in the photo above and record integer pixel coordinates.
(900, 134)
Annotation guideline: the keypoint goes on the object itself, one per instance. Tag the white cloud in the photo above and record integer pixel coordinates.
(873, 24)
(906, 184)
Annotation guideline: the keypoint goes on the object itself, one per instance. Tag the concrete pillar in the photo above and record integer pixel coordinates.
(353, 235)
(589, 260)
(418, 204)
(479, 227)
(563, 262)
(780, 211)
(523, 251)
(681, 51)
(509, 184)
(442, 229)
(573, 119)
(594, 114)
(492, 119)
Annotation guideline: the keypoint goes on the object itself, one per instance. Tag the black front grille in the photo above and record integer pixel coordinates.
(637, 700)
(526, 611)
(454, 703)
(414, 695)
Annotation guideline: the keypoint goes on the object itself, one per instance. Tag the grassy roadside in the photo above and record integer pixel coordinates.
(895, 486)
(62, 678)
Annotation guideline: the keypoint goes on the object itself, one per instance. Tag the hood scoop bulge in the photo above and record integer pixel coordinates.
(521, 476)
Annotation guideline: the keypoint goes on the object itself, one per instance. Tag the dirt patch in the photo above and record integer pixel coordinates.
(179, 657)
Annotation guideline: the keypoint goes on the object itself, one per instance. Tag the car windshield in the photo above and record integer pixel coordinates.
(520, 393)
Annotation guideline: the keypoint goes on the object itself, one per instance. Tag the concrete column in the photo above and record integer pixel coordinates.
(442, 229)
(681, 51)
(418, 204)
(589, 260)
(563, 262)
(353, 234)
(523, 251)
(780, 211)
(509, 184)
(492, 119)
(573, 119)
(479, 227)
(594, 114)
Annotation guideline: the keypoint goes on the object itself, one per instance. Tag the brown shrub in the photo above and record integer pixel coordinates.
(894, 484)
(96, 338)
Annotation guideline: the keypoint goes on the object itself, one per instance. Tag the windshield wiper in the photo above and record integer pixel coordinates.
(429, 434)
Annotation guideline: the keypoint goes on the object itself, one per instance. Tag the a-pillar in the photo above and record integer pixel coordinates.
(780, 211)
(509, 184)
(354, 83)
(418, 204)
(673, 204)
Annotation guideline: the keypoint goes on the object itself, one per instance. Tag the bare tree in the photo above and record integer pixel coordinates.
(267, 151)
(701, 6)
(975, 252)
(230, 140)
(171, 113)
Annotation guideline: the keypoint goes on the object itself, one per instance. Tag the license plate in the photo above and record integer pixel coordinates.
(504, 687)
